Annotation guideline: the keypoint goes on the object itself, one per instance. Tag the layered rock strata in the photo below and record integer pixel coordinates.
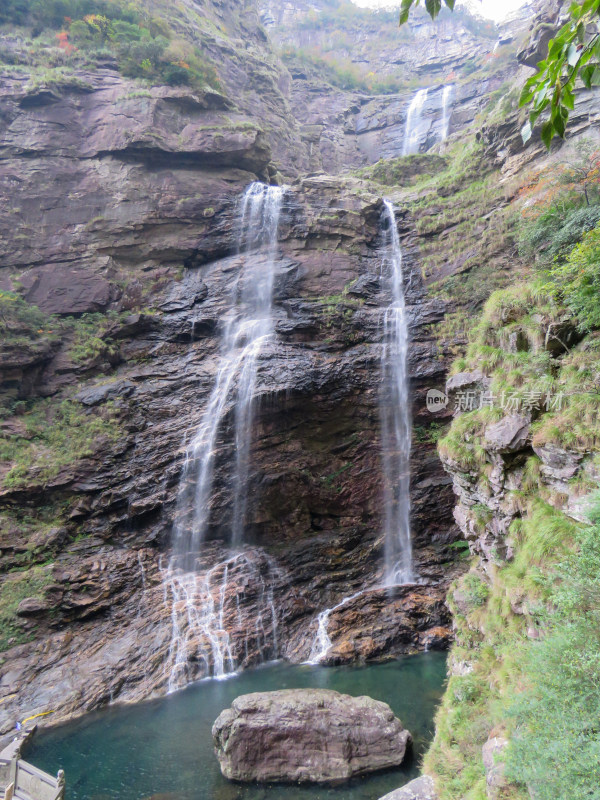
(123, 227)
(314, 485)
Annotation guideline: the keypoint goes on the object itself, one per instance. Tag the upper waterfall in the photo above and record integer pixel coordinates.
(447, 95)
(395, 412)
(412, 129)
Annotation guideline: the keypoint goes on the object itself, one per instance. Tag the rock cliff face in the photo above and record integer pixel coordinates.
(367, 40)
(315, 480)
(121, 223)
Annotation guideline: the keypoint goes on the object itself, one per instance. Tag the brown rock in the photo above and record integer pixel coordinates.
(307, 736)
(463, 381)
(31, 607)
(493, 763)
(557, 463)
(59, 289)
(509, 435)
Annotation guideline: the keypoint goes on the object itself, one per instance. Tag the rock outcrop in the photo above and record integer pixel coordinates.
(548, 18)
(495, 779)
(307, 736)
(420, 789)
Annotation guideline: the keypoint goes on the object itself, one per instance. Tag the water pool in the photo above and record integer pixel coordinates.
(162, 749)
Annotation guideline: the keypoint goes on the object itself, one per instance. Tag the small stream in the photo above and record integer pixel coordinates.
(162, 749)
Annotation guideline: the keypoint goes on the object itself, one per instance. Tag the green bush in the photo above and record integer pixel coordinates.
(52, 13)
(557, 230)
(577, 280)
(15, 12)
(476, 591)
(56, 435)
(144, 46)
(21, 322)
(562, 205)
(556, 745)
(143, 57)
(176, 75)
(340, 72)
(13, 589)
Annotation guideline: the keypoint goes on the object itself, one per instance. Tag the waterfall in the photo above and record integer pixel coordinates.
(247, 327)
(446, 110)
(395, 413)
(200, 596)
(395, 434)
(412, 130)
(211, 634)
(322, 643)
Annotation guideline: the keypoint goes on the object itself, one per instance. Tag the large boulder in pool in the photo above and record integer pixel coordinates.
(307, 736)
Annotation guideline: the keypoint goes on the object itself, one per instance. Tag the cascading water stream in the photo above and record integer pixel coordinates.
(322, 643)
(447, 96)
(247, 327)
(396, 435)
(200, 596)
(396, 430)
(412, 130)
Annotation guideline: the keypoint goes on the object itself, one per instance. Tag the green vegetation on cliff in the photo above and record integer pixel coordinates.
(457, 199)
(51, 436)
(22, 323)
(560, 205)
(339, 72)
(498, 610)
(17, 587)
(525, 662)
(144, 45)
(556, 741)
(40, 437)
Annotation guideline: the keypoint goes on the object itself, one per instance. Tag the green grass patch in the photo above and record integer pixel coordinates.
(80, 33)
(54, 435)
(14, 588)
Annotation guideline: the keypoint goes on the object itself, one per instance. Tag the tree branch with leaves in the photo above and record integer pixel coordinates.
(433, 8)
(573, 54)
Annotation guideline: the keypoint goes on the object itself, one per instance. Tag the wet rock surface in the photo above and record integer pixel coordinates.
(314, 508)
(307, 736)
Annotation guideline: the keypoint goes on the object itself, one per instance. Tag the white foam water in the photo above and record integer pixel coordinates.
(396, 428)
(414, 121)
(322, 643)
(447, 96)
(198, 595)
